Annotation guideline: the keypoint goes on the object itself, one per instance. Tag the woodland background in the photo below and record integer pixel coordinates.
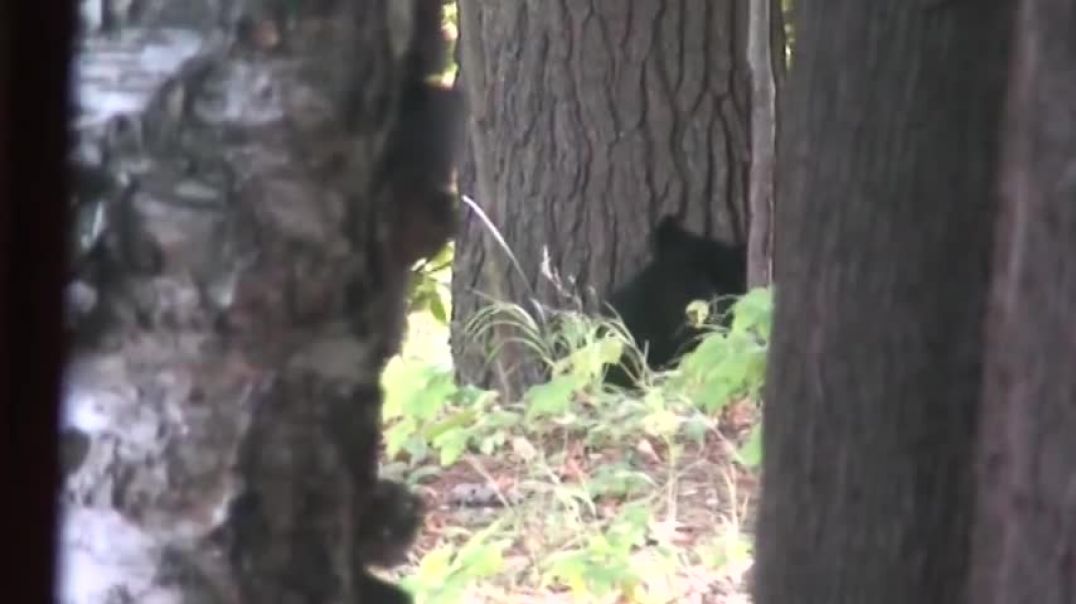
(900, 170)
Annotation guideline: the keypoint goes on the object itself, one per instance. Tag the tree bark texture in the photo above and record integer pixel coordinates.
(891, 133)
(1025, 537)
(589, 121)
(762, 47)
(249, 286)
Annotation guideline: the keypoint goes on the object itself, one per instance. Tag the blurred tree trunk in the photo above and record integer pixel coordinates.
(1025, 536)
(238, 308)
(888, 182)
(590, 121)
(35, 58)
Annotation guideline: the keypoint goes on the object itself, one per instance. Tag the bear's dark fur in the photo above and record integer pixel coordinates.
(684, 267)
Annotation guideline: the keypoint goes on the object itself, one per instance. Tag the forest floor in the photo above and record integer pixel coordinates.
(706, 513)
(557, 518)
(640, 519)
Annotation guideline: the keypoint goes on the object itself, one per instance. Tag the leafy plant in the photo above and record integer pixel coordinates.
(445, 574)
(431, 285)
(598, 465)
(604, 563)
(731, 363)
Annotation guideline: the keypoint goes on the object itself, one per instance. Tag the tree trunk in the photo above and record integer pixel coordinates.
(34, 101)
(249, 286)
(1025, 538)
(762, 46)
(588, 122)
(886, 225)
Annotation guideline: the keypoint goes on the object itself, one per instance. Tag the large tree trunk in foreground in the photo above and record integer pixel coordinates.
(590, 121)
(885, 232)
(1025, 537)
(247, 290)
(34, 96)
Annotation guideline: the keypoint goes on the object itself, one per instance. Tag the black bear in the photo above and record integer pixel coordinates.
(652, 304)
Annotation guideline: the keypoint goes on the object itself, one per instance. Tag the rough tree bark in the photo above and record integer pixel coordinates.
(886, 225)
(590, 121)
(1025, 536)
(263, 205)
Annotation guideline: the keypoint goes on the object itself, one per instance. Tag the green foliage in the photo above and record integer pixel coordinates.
(446, 573)
(431, 285)
(603, 563)
(618, 480)
(730, 363)
(427, 410)
(729, 547)
(750, 454)
(596, 465)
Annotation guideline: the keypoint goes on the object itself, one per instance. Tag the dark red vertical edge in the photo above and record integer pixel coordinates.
(34, 93)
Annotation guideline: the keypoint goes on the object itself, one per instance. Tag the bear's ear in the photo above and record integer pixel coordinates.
(668, 235)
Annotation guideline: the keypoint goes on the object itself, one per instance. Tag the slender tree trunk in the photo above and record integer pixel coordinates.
(760, 53)
(1025, 538)
(590, 121)
(889, 149)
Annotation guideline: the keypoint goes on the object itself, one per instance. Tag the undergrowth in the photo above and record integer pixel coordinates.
(591, 493)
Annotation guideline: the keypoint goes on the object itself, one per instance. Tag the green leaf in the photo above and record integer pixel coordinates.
(433, 393)
(397, 435)
(435, 566)
(451, 444)
(589, 360)
(754, 312)
(459, 420)
(437, 309)
(750, 454)
(553, 397)
(492, 442)
(483, 560)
